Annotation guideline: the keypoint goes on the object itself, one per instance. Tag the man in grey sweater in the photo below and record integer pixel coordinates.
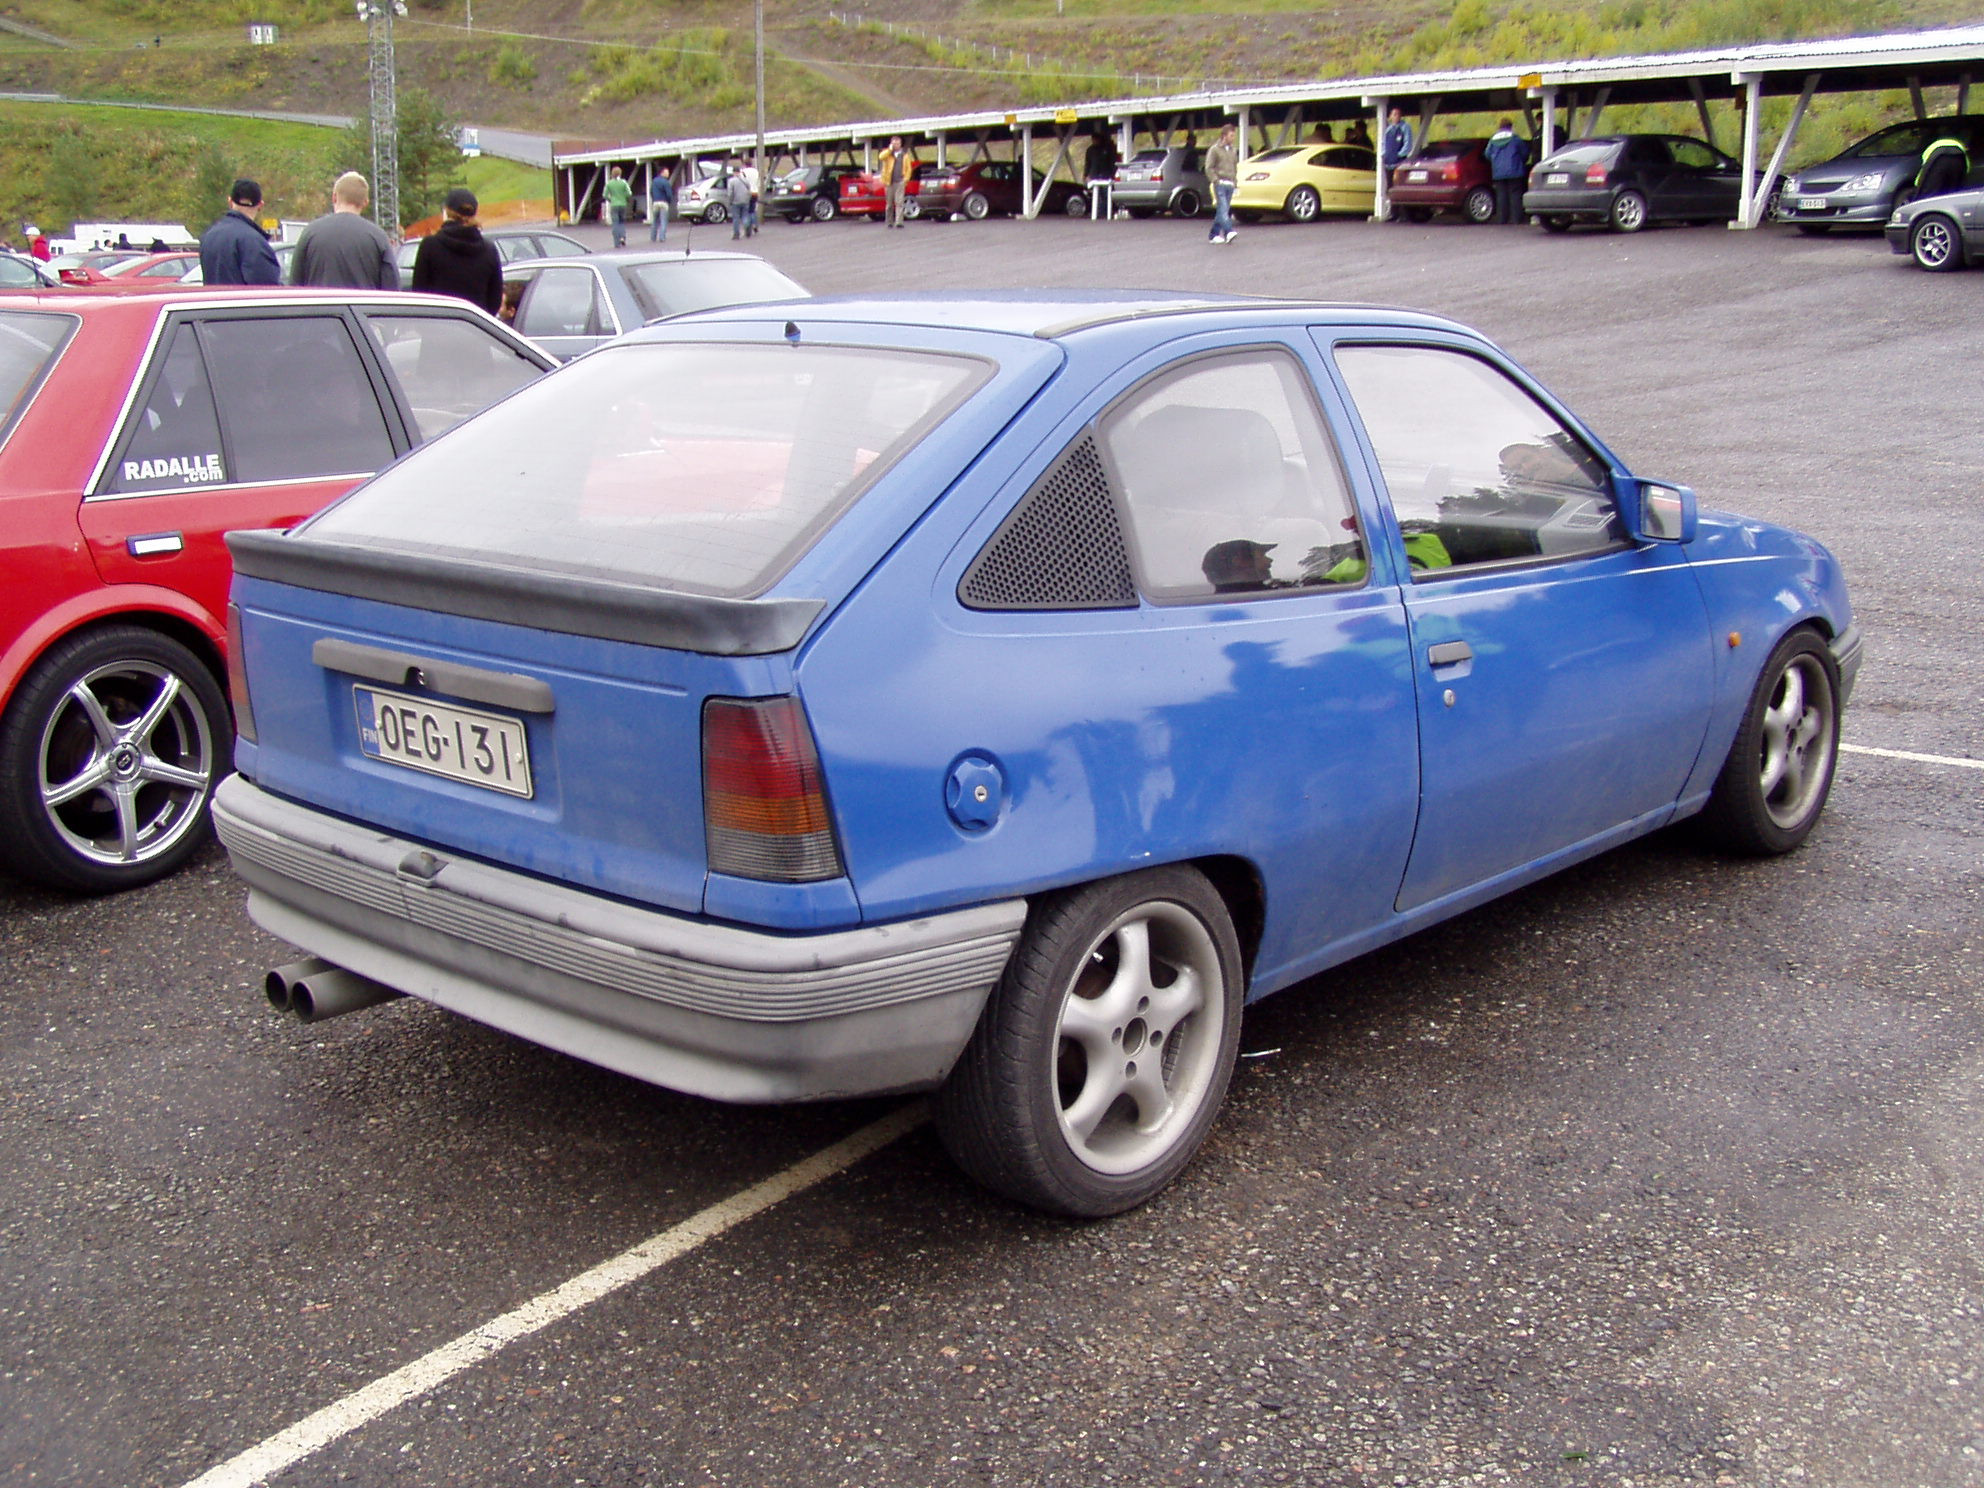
(342, 249)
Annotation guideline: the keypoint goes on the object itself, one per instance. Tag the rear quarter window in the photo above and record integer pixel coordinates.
(29, 345)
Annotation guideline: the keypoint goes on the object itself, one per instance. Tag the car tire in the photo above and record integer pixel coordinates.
(1628, 214)
(1936, 243)
(1303, 205)
(717, 213)
(1555, 224)
(910, 210)
(1479, 205)
(1187, 204)
(1779, 771)
(1046, 1104)
(824, 210)
(1077, 204)
(135, 726)
(975, 207)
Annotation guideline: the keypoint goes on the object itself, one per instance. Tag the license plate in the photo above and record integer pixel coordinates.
(1812, 203)
(1556, 178)
(1415, 175)
(463, 744)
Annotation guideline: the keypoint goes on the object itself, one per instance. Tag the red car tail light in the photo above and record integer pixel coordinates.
(237, 677)
(1450, 171)
(1594, 175)
(764, 802)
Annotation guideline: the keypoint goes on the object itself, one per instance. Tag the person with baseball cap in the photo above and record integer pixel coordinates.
(457, 260)
(235, 250)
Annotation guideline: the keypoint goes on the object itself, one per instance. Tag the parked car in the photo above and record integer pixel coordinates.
(1628, 181)
(138, 429)
(1863, 184)
(172, 265)
(1451, 175)
(809, 194)
(1942, 232)
(1301, 182)
(861, 696)
(704, 199)
(88, 267)
(513, 245)
(571, 305)
(863, 195)
(983, 188)
(1171, 179)
(19, 271)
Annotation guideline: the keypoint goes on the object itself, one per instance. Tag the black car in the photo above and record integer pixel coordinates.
(1626, 181)
(810, 193)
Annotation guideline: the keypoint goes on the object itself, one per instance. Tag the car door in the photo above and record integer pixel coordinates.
(1562, 672)
(241, 419)
(1712, 180)
(1349, 179)
(562, 310)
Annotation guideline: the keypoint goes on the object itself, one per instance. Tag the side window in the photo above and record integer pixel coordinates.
(1694, 155)
(1230, 480)
(174, 438)
(1478, 470)
(264, 371)
(559, 303)
(447, 368)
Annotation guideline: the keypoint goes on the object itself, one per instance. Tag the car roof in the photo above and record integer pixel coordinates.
(629, 256)
(114, 300)
(1047, 314)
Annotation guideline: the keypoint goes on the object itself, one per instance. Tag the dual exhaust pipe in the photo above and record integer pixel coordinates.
(314, 990)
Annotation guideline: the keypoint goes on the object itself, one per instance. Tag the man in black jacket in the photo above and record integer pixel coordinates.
(235, 250)
(457, 260)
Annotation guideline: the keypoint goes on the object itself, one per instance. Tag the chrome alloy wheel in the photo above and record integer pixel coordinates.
(1797, 742)
(126, 763)
(1140, 1042)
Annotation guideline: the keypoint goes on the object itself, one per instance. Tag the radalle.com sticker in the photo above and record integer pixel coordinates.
(181, 470)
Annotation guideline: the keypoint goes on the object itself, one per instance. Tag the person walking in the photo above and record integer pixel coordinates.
(1508, 164)
(235, 250)
(661, 206)
(343, 248)
(1223, 170)
(619, 202)
(894, 171)
(737, 192)
(457, 260)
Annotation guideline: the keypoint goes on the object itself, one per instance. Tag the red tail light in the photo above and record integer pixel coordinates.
(237, 677)
(1594, 175)
(764, 802)
(1450, 171)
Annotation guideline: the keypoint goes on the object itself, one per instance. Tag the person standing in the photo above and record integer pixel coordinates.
(619, 201)
(1508, 164)
(1398, 139)
(1945, 164)
(457, 260)
(737, 192)
(235, 250)
(894, 171)
(751, 179)
(1223, 170)
(38, 244)
(661, 205)
(342, 248)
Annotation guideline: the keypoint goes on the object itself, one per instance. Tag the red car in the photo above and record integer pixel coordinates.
(88, 268)
(1449, 175)
(984, 187)
(134, 431)
(153, 268)
(862, 195)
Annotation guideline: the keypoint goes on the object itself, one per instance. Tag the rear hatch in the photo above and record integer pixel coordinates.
(503, 646)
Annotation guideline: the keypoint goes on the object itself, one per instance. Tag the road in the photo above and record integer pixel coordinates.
(1669, 1170)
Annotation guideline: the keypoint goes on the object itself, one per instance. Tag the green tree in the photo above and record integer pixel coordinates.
(206, 193)
(430, 154)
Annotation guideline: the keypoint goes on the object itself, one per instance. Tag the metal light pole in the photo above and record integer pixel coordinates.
(378, 17)
(758, 30)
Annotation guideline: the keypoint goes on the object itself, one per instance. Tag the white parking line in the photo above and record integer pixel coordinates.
(288, 1447)
(1920, 759)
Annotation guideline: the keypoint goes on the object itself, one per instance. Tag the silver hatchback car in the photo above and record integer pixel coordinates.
(1162, 180)
(1863, 184)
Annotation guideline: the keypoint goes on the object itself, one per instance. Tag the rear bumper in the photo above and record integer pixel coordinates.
(710, 1009)
(1562, 202)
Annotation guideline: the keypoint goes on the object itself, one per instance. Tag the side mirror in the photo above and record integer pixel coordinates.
(1666, 512)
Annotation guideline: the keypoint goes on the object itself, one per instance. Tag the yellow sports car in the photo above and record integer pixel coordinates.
(1304, 181)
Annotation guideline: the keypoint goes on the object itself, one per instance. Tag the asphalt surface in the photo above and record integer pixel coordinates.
(1666, 1171)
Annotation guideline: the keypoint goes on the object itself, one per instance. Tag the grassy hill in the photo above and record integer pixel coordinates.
(626, 69)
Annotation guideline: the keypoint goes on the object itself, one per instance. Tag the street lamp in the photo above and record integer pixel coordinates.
(378, 17)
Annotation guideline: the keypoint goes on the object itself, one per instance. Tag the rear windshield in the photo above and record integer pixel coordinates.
(29, 344)
(1447, 149)
(1585, 152)
(705, 468)
(677, 286)
(1148, 157)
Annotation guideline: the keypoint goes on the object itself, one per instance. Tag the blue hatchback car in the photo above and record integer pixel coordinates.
(991, 696)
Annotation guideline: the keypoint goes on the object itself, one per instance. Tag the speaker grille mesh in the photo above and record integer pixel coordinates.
(1061, 549)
